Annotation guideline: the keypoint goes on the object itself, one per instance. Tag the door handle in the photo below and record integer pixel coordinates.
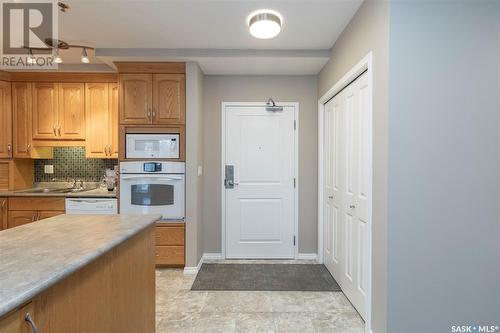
(352, 206)
(229, 179)
(330, 197)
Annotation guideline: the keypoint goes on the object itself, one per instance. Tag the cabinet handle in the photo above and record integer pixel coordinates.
(28, 147)
(39, 215)
(54, 130)
(107, 150)
(149, 115)
(33, 217)
(3, 204)
(59, 130)
(31, 322)
(9, 147)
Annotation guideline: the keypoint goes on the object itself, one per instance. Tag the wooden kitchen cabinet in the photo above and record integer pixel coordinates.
(152, 99)
(5, 120)
(20, 217)
(45, 214)
(58, 111)
(114, 118)
(23, 210)
(169, 101)
(3, 213)
(71, 111)
(21, 109)
(16, 174)
(101, 104)
(136, 98)
(15, 322)
(170, 244)
(45, 109)
(113, 293)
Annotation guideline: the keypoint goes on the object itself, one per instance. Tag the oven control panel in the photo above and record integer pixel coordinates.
(152, 167)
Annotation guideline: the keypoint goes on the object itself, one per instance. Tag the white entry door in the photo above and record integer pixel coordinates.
(259, 209)
(347, 186)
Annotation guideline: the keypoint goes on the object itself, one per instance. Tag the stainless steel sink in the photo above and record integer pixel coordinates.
(56, 190)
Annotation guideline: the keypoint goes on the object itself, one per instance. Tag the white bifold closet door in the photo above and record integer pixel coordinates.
(347, 177)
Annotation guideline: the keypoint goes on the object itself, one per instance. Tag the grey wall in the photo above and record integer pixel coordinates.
(444, 165)
(302, 89)
(194, 159)
(369, 31)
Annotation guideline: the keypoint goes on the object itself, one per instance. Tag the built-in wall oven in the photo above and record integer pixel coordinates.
(153, 188)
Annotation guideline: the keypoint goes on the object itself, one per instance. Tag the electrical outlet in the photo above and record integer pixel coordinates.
(49, 168)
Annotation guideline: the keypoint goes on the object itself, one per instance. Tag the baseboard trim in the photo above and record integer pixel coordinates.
(307, 256)
(218, 256)
(205, 256)
(193, 270)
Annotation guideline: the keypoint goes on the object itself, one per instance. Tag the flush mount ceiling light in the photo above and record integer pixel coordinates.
(264, 23)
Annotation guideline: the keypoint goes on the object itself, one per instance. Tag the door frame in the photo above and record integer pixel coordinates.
(365, 64)
(295, 105)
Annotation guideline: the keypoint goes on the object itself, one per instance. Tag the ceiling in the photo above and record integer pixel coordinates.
(213, 33)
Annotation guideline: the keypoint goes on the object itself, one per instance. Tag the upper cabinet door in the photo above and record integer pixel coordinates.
(135, 98)
(45, 110)
(71, 115)
(21, 109)
(113, 119)
(97, 119)
(5, 120)
(169, 101)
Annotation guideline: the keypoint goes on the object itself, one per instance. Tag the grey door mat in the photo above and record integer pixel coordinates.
(265, 277)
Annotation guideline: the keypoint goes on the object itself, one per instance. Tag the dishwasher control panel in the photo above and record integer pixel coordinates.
(98, 206)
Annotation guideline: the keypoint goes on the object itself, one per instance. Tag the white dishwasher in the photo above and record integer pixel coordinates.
(103, 206)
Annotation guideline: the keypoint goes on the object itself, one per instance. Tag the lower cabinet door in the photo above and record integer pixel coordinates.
(17, 321)
(45, 214)
(170, 255)
(20, 217)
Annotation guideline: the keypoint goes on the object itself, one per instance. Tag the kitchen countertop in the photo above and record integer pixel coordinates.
(35, 256)
(94, 193)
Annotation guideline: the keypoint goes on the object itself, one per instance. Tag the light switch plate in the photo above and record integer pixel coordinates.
(49, 168)
(200, 170)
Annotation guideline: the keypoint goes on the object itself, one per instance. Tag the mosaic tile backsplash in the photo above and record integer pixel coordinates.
(70, 162)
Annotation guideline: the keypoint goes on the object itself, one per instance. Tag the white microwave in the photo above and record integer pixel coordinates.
(152, 146)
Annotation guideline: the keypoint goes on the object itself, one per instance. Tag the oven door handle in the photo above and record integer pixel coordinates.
(151, 177)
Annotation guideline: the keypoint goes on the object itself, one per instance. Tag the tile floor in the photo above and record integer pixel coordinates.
(179, 310)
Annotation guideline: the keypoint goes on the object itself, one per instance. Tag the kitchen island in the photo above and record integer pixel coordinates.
(79, 273)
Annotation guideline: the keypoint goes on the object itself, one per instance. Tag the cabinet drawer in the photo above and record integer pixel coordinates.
(15, 322)
(20, 217)
(36, 203)
(169, 235)
(170, 255)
